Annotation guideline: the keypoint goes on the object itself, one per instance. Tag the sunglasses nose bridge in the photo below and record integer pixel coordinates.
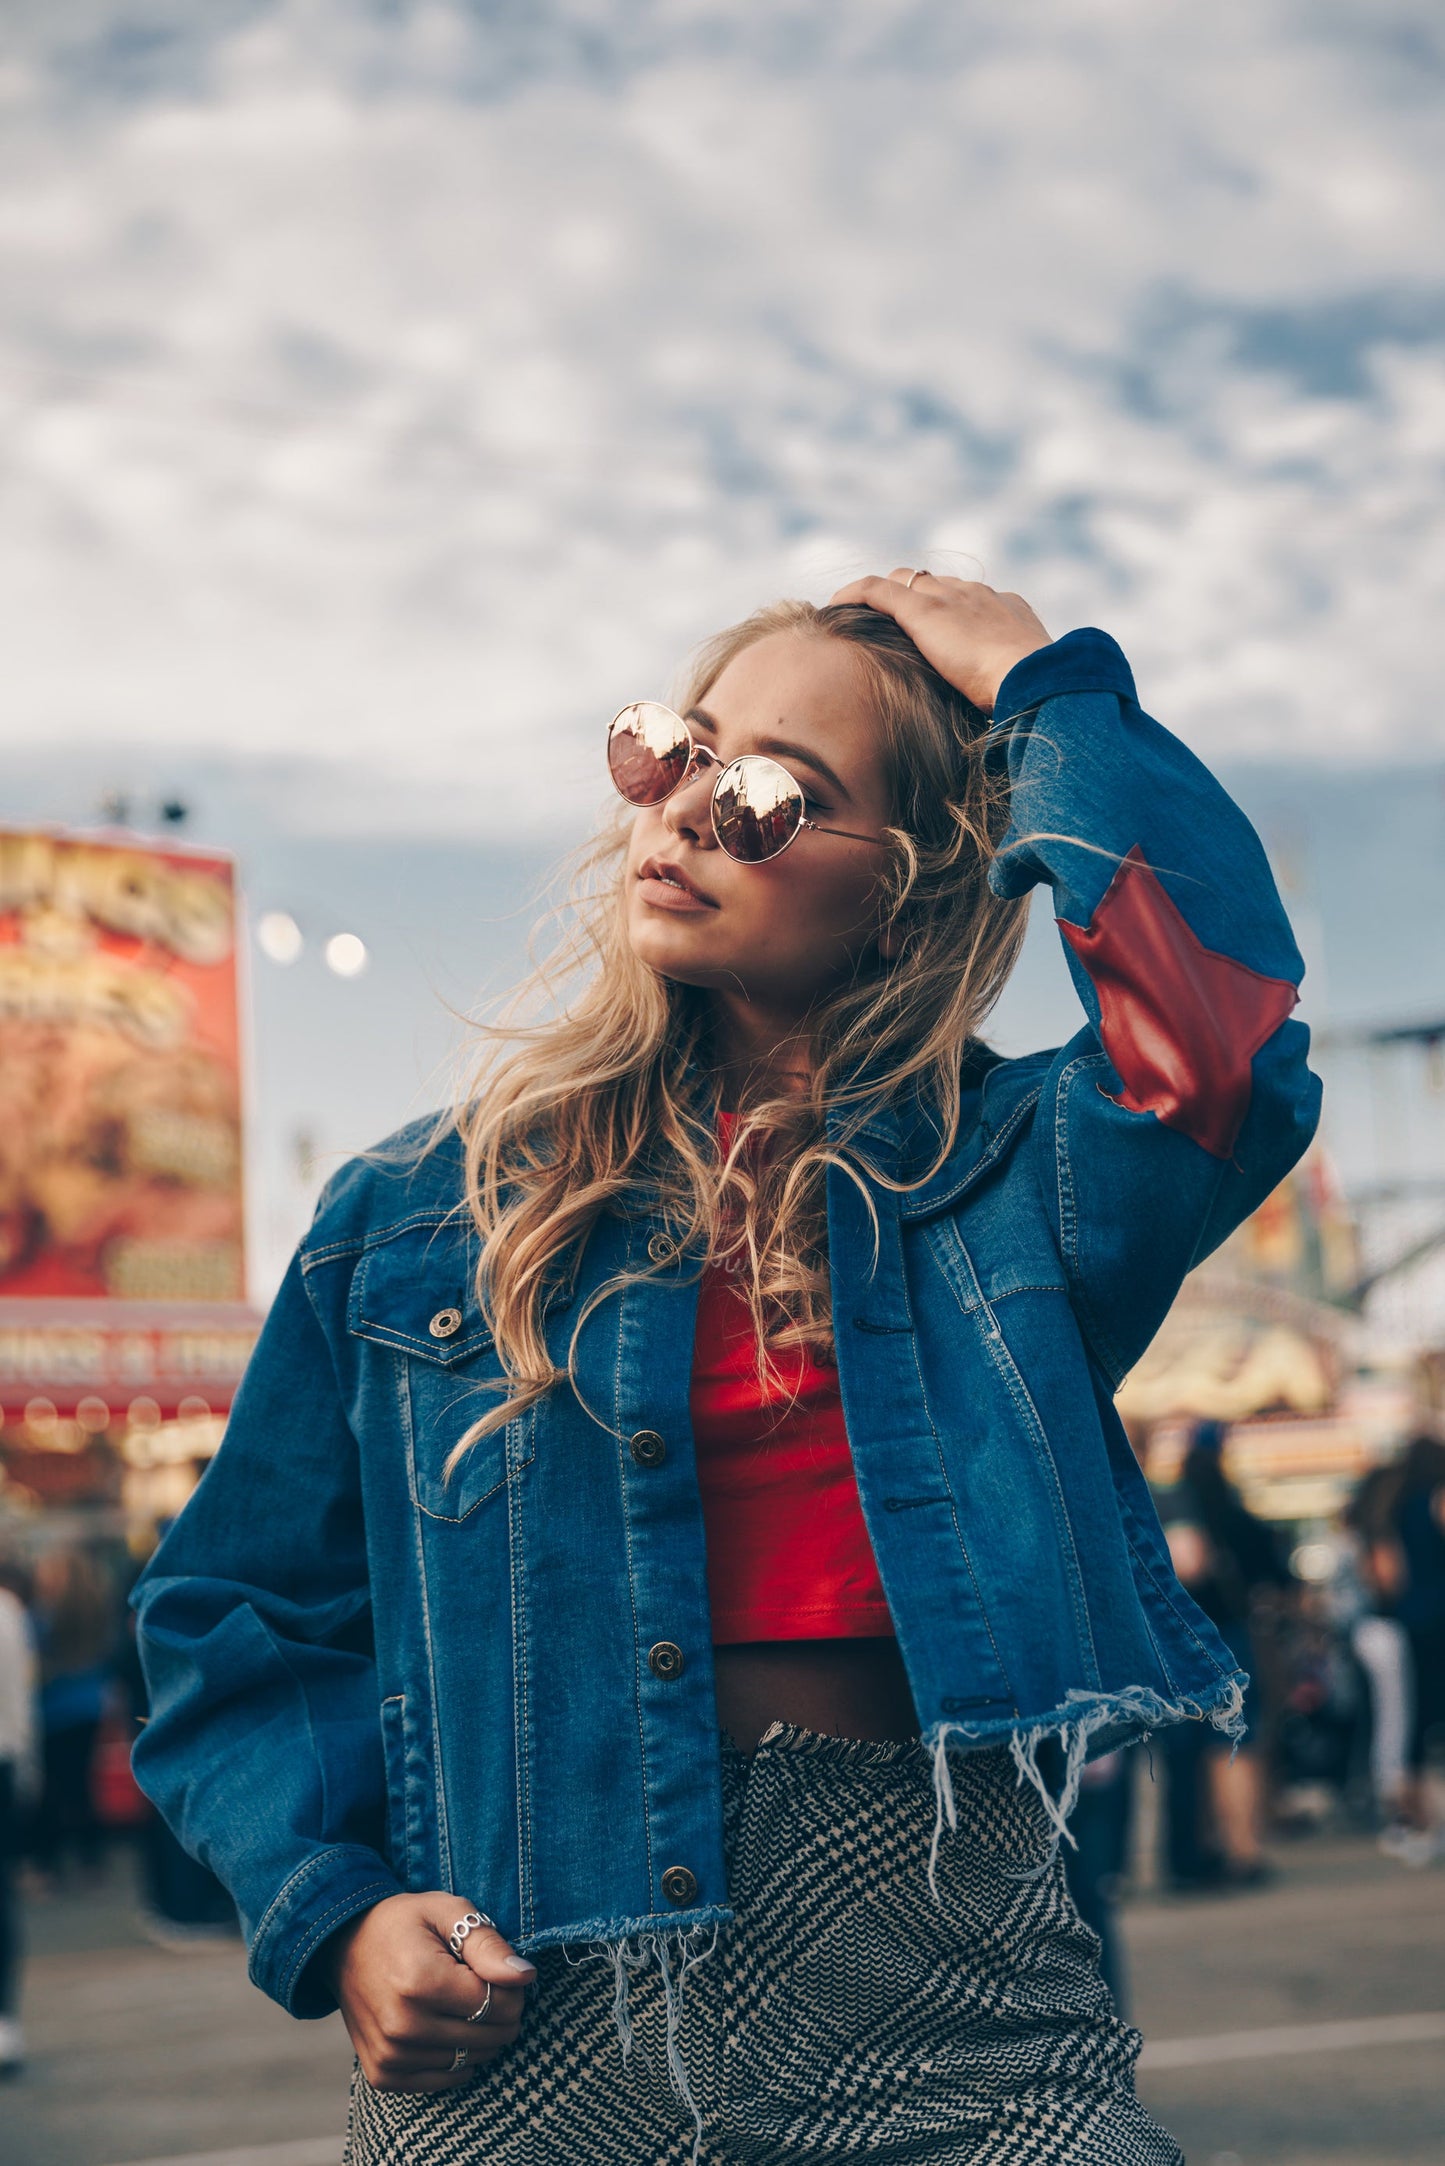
(702, 759)
(702, 767)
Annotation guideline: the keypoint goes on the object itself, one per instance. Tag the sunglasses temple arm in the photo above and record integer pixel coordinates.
(847, 833)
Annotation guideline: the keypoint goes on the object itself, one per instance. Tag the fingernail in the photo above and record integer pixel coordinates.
(516, 1962)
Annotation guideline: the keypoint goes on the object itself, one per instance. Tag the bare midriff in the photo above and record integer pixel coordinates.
(842, 1688)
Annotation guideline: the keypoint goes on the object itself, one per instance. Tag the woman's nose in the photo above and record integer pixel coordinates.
(689, 809)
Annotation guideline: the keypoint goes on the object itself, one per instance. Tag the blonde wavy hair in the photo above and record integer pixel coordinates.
(598, 1082)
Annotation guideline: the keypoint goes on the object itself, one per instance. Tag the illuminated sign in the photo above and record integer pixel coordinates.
(120, 1099)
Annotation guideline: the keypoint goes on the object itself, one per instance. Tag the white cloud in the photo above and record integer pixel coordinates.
(409, 387)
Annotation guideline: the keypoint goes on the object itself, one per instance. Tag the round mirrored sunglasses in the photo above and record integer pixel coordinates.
(758, 808)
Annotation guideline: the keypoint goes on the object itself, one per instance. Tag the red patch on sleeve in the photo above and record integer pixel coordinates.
(1180, 1022)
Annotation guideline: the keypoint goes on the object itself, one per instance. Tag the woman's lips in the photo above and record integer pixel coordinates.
(662, 895)
(666, 884)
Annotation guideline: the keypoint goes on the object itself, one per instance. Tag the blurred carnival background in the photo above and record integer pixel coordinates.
(393, 388)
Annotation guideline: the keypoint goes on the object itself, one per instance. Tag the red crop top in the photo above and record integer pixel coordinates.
(788, 1555)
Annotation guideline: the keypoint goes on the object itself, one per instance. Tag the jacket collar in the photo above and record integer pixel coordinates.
(998, 1098)
(900, 1139)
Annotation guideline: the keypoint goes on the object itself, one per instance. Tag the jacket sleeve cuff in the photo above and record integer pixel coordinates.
(1085, 661)
(321, 1895)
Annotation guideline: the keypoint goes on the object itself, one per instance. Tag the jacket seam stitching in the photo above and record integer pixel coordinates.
(411, 1342)
(402, 1383)
(952, 1499)
(414, 1472)
(1164, 1595)
(459, 1519)
(284, 1892)
(318, 1930)
(1109, 1358)
(1159, 1654)
(287, 1888)
(937, 1204)
(1029, 1286)
(632, 1586)
(521, 1706)
(375, 1236)
(398, 1699)
(331, 1252)
(1000, 1355)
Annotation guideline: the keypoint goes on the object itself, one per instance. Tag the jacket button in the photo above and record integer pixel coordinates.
(648, 1448)
(662, 1248)
(666, 1661)
(679, 1885)
(445, 1324)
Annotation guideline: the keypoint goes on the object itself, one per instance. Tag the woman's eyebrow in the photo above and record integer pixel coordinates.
(780, 747)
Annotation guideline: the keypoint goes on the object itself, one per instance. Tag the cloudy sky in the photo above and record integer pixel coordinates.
(398, 384)
(391, 390)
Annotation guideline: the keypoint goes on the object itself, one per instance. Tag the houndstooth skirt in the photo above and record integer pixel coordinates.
(849, 2009)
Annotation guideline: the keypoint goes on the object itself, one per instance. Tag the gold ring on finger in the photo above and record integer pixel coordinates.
(480, 2015)
(919, 574)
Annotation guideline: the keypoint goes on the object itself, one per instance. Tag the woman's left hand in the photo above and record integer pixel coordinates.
(971, 635)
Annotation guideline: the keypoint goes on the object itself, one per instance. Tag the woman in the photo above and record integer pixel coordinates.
(515, 1508)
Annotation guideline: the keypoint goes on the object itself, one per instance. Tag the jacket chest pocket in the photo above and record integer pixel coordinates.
(415, 1294)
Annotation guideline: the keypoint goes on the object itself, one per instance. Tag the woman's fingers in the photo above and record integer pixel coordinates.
(493, 1959)
(972, 635)
(891, 595)
(409, 2000)
(488, 1976)
(455, 2006)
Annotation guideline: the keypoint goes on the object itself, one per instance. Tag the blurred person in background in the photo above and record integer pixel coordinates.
(1379, 1642)
(18, 1783)
(740, 1355)
(1419, 1522)
(77, 1628)
(1228, 1559)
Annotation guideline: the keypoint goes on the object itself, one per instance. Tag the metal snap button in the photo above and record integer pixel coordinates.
(666, 1661)
(648, 1448)
(679, 1885)
(445, 1324)
(662, 1248)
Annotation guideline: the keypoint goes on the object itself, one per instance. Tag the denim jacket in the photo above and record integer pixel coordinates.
(366, 1677)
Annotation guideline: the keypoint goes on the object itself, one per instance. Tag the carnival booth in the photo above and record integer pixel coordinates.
(124, 1325)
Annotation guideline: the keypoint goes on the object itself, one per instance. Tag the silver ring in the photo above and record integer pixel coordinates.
(480, 2015)
(468, 1924)
(919, 574)
(460, 2058)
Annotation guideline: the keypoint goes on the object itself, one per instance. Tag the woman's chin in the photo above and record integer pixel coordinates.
(678, 952)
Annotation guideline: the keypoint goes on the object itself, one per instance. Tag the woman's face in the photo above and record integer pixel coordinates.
(778, 934)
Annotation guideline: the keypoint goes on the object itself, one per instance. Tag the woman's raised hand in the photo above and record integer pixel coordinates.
(971, 635)
(406, 1999)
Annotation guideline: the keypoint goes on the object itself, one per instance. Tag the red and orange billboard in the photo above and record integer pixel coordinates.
(120, 1084)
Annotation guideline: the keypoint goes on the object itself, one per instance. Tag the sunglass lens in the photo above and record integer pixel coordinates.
(648, 750)
(757, 809)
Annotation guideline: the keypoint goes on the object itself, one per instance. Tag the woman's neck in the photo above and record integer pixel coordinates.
(760, 1053)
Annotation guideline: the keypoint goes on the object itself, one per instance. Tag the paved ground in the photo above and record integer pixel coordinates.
(140, 2054)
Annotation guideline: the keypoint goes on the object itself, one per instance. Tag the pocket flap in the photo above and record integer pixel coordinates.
(416, 1290)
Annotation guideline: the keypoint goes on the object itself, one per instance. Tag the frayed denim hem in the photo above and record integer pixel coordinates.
(1085, 1720)
(675, 1955)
